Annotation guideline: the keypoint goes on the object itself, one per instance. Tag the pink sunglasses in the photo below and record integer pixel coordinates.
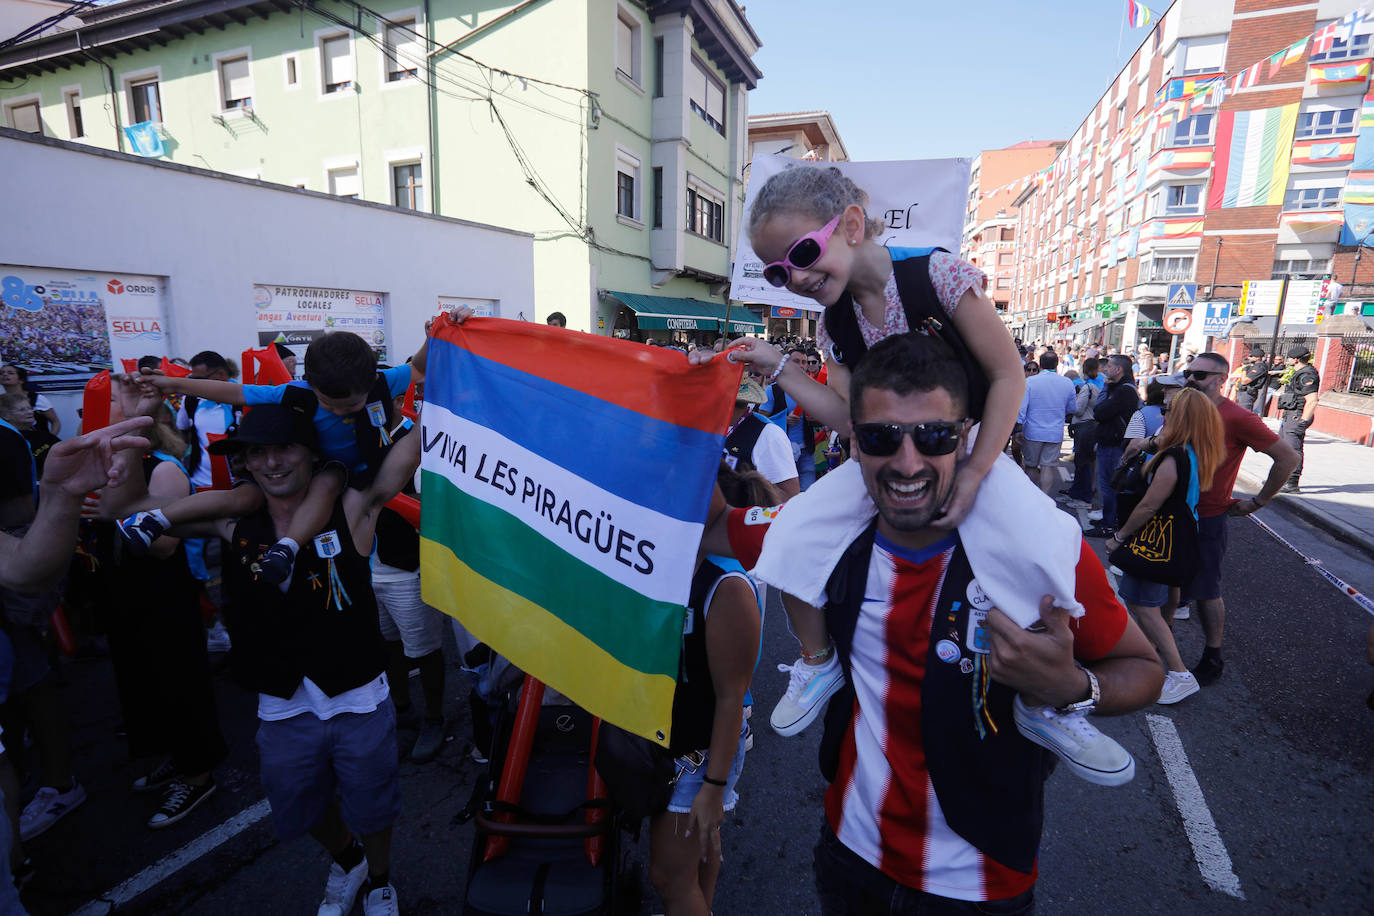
(804, 252)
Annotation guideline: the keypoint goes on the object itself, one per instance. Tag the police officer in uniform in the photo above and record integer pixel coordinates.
(1297, 406)
(1252, 380)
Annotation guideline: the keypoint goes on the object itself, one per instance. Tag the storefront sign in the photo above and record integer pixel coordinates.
(296, 315)
(488, 307)
(75, 323)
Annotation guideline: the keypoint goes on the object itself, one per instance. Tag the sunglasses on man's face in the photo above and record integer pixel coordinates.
(804, 252)
(1198, 374)
(932, 439)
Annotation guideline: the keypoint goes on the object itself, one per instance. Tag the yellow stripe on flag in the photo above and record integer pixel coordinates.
(538, 640)
(1278, 185)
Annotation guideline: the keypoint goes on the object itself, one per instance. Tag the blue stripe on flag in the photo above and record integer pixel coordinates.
(579, 432)
(1239, 130)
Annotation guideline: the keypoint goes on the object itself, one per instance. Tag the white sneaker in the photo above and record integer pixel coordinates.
(47, 808)
(217, 638)
(1078, 504)
(808, 687)
(1088, 753)
(381, 901)
(1178, 685)
(1182, 612)
(1095, 515)
(342, 889)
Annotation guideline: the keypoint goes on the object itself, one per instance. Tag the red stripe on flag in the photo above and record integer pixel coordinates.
(615, 371)
(1221, 160)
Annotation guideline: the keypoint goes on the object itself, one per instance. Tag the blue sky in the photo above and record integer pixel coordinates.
(922, 79)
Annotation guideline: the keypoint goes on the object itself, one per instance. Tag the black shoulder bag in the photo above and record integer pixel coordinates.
(1165, 549)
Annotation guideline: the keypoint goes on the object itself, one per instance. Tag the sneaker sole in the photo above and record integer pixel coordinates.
(1096, 777)
(158, 825)
(796, 727)
(1180, 698)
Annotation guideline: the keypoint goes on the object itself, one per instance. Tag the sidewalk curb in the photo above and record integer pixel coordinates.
(1338, 529)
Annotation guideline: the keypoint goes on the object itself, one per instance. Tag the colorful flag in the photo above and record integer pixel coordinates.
(1313, 152)
(1138, 14)
(1359, 188)
(1342, 75)
(1364, 142)
(1276, 62)
(1308, 220)
(145, 139)
(1180, 159)
(1323, 37)
(566, 480)
(1358, 228)
(1295, 51)
(1252, 157)
(1187, 227)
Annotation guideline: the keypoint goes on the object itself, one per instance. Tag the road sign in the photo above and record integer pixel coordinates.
(1181, 295)
(1216, 318)
(1259, 298)
(1178, 321)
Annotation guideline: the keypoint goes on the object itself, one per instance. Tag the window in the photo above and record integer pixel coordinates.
(1301, 268)
(72, 100)
(1004, 258)
(1194, 131)
(1171, 269)
(658, 67)
(1326, 123)
(344, 182)
(1357, 46)
(1204, 55)
(658, 197)
(1183, 199)
(1007, 234)
(336, 57)
(1004, 282)
(627, 170)
(236, 90)
(705, 215)
(401, 47)
(24, 116)
(627, 42)
(1312, 198)
(707, 96)
(407, 186)
(1121, 117)
(293, 78)
(144, 101)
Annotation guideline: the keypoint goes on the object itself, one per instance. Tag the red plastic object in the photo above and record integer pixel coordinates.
(130, 366)
(95, 403)
(408, 405)
(408, 507)
(62, 632)
(172, 370)
(264, 367)
(512, 783)
(596, 789)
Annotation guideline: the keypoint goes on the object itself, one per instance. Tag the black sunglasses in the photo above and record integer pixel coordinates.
(932, 439)
(1199, 374)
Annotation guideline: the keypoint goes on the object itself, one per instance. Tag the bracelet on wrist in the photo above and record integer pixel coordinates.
(773, 376)
(713, 782)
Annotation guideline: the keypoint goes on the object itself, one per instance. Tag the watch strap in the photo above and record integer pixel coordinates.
(1094, 696)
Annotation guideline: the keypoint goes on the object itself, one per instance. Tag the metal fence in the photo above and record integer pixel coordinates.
(1353, 360)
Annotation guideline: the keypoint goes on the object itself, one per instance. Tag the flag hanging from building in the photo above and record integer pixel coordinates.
(566, 479)
(145, 139)
(1252, 157)
(1342, 76)
(1138, 14)
(1364, 140)
(1359, 188)
(1323, 152)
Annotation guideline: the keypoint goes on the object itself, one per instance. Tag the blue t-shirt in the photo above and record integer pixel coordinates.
(338, 438)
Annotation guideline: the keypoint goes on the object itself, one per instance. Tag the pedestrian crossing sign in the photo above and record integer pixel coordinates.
(1182, 295)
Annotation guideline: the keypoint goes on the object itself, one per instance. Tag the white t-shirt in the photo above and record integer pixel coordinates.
(41, 403)
(310, 698)
(773, 454)
(211, 417)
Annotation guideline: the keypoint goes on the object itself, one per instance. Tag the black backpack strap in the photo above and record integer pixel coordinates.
(189, 403)
(844, 599)
(373, 439)
(740, 443)
(847, 345)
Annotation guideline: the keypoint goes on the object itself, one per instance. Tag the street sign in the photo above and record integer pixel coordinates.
(1178, 321)
(1216, 318)
(1259, 298)
(1181, 295)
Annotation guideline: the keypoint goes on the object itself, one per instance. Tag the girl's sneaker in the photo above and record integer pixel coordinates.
(1090, 754)
(1178, 685)
(808, 687)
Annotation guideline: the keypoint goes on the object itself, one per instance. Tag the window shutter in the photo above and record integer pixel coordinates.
(25, 118)
(234, 74)
(338, 61)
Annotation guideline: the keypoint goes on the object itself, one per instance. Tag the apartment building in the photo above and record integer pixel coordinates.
(613, 131)
(990, 226)
(1218, 156)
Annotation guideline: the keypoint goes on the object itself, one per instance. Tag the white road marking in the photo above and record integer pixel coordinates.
(1210, 852)
(174, 862)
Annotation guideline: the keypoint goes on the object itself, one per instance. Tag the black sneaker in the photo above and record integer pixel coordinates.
(1097, 531)
(161, 775)
(180, 800)
(139, 531)
(1208, 670)
(274, 566)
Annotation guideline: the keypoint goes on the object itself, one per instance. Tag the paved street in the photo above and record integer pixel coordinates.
(1279, 748)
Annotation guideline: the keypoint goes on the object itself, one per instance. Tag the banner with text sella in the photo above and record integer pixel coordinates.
(564, 486)
(921, 201)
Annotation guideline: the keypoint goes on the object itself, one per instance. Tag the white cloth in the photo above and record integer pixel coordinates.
(310, 698)
(813, 530)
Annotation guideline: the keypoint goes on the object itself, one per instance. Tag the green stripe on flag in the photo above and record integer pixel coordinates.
(538, 642)
(636, 631)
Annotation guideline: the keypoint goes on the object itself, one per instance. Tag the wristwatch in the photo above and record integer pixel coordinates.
(1087, 706)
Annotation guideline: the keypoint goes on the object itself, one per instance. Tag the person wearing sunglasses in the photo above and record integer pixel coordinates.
(810, 227)
(932, 795)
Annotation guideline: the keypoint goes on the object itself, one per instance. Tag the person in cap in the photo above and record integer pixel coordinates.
(1250, 380)
(311, 648)
(288, 357)
(1298, 406)
(754, 444)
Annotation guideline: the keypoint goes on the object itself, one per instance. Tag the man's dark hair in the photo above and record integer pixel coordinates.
(1049, 360)
(340, 364)
(1154, 394)
(557, 316)
(1127, 366)
(907, 363)
(210, 360)
(149, 362)
(1090, 364)
(1256, 351)
(1216, 358)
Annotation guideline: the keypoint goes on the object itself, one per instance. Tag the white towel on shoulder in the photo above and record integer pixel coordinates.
(1020, 546)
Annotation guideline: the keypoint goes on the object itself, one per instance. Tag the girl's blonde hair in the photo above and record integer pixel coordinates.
(1193, 420)
(820, 192)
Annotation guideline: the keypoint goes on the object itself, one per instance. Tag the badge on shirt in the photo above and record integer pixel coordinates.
(978, 639)
(327, 545)
(376, 413)
(760, 515)
(947, 651)
(977, 597)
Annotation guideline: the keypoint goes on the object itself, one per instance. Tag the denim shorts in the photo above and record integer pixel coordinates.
(1140, 592)
(1212, 536)
(307, 763)
(690, 773)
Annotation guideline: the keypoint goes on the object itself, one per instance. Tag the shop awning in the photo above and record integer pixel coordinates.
(679, 314)
(1086, 324)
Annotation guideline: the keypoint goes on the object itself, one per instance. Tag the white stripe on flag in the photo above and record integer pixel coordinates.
(590, 509)
(1250, 165)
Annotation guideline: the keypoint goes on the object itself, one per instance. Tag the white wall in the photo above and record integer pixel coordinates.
(214, 236)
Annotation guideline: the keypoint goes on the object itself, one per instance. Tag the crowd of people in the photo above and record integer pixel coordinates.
(886, 443)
